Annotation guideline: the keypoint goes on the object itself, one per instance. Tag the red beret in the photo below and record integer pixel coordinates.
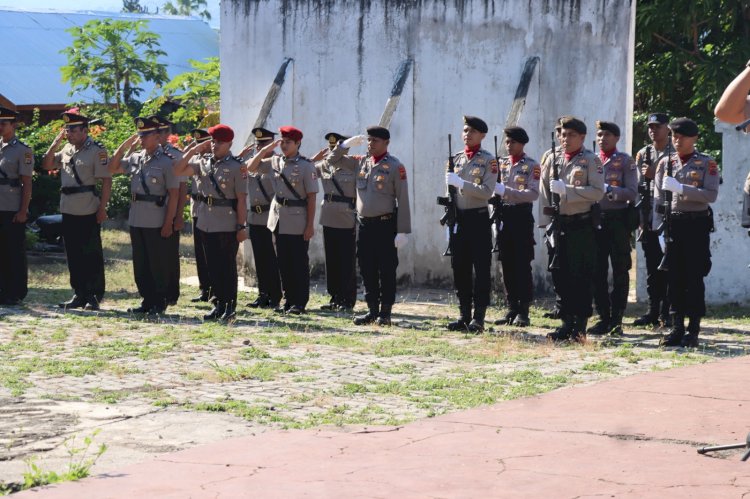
(221, 133)
(289, 132)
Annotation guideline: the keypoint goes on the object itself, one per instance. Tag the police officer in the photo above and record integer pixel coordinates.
(580, 185)
(518, 187)
(260, 190)
(153, 192)
(613, 239)
(292, 214)
(82, 162)
(165, 130)
(474, 178)
(656, 281)
(222, 214)
(338, 217)
(16, 168)
(694, 183)
(200, 135)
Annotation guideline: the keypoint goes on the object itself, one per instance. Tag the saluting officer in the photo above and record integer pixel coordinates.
(165, 130)
(338, 218)
(153, 204)
(292, 214)
(695, 184)
(518, 186)
(16, 168)
(82, 162)
(656, 280)
(261, 191)
(474, 178)
(613, 239)
(200, 135)
(222, 214)
(580, 185)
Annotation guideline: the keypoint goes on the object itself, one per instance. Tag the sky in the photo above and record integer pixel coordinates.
(99, 5)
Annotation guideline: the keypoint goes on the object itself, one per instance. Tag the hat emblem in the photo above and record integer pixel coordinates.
(258, 134)
(140, 124)
(66, 118)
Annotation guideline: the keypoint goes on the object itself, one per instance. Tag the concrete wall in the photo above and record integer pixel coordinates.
(468, 57)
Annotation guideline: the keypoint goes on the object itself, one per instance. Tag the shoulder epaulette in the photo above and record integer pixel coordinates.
(98, 144)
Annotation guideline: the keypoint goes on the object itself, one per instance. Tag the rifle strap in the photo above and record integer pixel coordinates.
(214, 182)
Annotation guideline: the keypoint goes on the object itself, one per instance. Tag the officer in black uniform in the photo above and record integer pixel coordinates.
(518, 188)
(261, 191)
(694, 185)
(474, 178)
(16, 168)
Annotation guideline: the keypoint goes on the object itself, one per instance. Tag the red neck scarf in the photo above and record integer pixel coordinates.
(516, 159)
(375, 159)
(471, 151)
(568, 156)
(604, 156)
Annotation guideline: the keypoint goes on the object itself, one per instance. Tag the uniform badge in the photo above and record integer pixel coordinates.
(226, 170)
(537, 172)
(386, 167)
(315, 175)
(493, 166)
(599, 169)
(380, 186)
(694, 174)
(223, 186)
(577, 183)
(475, 171)
(519, 179)
(614, 183)
(525, 168)
(477, 181)
(103, 157)
(578, 173)
(583, 162)
(695, 184)
(153, 180)
(402, 172)
(28, 158)
(713, 168)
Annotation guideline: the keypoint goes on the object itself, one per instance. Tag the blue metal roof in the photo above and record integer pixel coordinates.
(32, 41)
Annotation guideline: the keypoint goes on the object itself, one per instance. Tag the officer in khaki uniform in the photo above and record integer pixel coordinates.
(694, 185)
(580, 185)
(222, 214)
(165, 130)
(474, 178)
(613, 239)
(518, 187)
(16, 168)
(260, 190)
(292, 214)
(199, 135)
(338, 218)
(82, 162)
(153, 192)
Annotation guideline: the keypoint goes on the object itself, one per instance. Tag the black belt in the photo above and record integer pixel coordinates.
(575, 218)
(194, 196)
(13, 182)
(616, 213)
(260, 208)
(473, 211)
(291, 202)
(78, 190)
(329, 198)
(381, 218)
(521, 207)
(689, 215)
(212, 201)
(150, 198)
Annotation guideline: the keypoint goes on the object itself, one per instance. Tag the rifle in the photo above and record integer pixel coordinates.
(497, 213)
(666, 223)
(596, 208)
(449, 202)
(553, 230)
(644, 189)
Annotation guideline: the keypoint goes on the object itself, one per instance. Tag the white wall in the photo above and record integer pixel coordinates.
(468, 56)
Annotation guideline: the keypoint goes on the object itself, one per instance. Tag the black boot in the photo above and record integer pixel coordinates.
(522, 319)
(203, 296)
(331, 305)
(664, 317)
(563, 332)
(510, 315)
(462, 324)
(615, 323)
(369, 317)
(602, 325)
(229, 313)
(384, 319)
(674, 338)
(477, 324)
(75, 302)
(261, 301)
(579, 329)
(553, 314)
(690, 340)
(216, 313)
(651, 318)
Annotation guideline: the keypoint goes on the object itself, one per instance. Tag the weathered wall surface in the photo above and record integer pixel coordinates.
(468, 56)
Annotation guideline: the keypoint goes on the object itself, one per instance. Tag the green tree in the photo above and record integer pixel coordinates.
(133, 6)
(682, 59)
(113, 57)
(187, 8)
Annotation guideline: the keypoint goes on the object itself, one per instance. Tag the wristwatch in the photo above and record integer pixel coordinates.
(240, 227)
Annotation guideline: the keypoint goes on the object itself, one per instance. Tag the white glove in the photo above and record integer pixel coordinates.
(400, 240)
(500, 189)
(453, 179)
(557, 186)
(671, 184)
(606, 186)
(662, 242)
(357, 140)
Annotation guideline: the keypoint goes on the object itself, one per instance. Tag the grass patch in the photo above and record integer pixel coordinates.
(601, 366)
(260, 371)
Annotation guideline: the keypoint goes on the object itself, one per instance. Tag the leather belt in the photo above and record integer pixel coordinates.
(381, 218)
(212, 201)
(150, 198)
(77, 190)
(690, 215)
(291, 202)
(260, 208)
(13, 182)
(334, 198)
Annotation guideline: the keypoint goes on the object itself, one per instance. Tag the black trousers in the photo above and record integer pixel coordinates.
(517, 250)
(14, 271)
(83, 248)
(689, 261)
(341, 266)
(577, 254)
(266, 264)
(556, 277)
(200, 257)
(221, 254)
(472, 251)
(173, 286)
(656, 280)
(151, 259)
(294, 267)
(612, 245)
(378, 260)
